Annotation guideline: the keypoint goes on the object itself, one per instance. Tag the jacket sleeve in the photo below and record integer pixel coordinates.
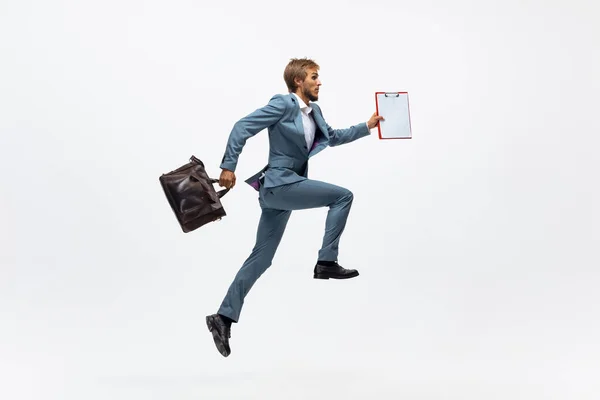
(343, 136)
(249, 126)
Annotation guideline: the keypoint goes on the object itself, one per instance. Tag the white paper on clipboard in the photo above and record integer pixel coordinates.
(393, 107)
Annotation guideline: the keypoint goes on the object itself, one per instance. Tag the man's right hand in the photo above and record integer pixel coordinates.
(374, 120)
(227, 179)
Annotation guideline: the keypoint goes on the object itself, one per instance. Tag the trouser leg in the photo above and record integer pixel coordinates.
(270, 230)
(312, 194)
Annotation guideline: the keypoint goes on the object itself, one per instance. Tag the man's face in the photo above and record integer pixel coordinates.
(310, 85)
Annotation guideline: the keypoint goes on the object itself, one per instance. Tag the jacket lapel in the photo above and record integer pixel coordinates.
(321, 135)
(298, 115)
(320, 122)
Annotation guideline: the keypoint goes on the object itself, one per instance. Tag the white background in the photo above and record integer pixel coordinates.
(477, 240)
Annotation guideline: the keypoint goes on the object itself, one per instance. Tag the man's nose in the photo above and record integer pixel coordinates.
(319, 82)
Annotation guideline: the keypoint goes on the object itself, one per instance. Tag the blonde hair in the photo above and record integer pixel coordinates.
(296, 68)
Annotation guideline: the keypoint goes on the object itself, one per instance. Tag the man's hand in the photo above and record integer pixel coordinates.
(227, 179)
(372, 123)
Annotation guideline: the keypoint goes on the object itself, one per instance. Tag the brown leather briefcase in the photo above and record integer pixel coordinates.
(192, 196)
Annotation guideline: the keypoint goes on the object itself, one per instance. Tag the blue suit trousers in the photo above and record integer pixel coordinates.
(277, 203)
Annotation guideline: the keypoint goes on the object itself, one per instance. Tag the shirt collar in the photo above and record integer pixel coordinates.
(303, 106)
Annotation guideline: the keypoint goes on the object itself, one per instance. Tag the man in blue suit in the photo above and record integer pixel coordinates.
(297, 131)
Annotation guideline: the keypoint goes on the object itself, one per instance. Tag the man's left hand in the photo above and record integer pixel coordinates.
(372, 123)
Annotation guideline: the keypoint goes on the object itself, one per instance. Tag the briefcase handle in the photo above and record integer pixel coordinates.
(221, 192)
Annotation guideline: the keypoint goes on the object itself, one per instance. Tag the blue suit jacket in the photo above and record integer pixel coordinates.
(288, 153)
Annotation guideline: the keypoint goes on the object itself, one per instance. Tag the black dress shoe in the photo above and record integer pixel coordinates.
(221, 333)
(326, 270)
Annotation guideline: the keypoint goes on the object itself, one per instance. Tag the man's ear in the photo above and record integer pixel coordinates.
(298, 82)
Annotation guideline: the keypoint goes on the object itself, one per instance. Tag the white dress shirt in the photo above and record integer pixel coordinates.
(308, 122)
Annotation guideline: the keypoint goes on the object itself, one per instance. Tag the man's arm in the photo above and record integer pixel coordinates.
(249, 126)
(343, 136)
(244, 129)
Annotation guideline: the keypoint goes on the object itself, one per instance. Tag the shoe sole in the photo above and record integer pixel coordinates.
(216, 338)
(327, 276)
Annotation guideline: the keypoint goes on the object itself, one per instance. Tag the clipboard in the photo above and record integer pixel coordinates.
(394, 108)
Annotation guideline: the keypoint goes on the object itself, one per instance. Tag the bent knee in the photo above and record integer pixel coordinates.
(347, 195)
